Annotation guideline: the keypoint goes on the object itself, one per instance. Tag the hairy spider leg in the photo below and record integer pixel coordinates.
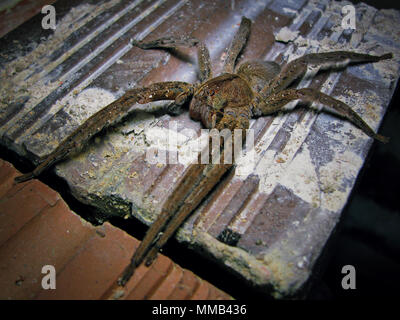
(209, 176)
(199, 179)
(192, 187)
(184, 185)
(272, 98)
(237, 45)
(109, 115)
(204, 61)
(197, 182)
(277, 101)
(310, 64)
(203, 55)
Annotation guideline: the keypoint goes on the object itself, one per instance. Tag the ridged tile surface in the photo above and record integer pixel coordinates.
(37, 229)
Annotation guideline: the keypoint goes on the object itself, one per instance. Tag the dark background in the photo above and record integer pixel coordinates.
(368, 236)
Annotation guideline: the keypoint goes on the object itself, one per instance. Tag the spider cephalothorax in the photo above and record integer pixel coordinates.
(228, 101)
(220, 99)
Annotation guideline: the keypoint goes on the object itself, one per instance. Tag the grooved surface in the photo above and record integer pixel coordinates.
(37, 229)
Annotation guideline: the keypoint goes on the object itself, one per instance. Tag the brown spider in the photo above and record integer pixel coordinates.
(228, 101)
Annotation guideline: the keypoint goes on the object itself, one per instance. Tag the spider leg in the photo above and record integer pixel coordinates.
(204, 61)
(166, 42)
(174, 201)
(109, 115)
(191, 189)
(310, 64)
(258, 73)
(238, 43)
(144, 246)
(205, 177)
(175, 222)
(277, 101)
(203, 55)
(232, 119)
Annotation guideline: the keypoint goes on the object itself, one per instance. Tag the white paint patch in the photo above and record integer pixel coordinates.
(273, 166)
(300, 176)
(291, 105)
(286, 35)
(343, 168)
(289, 10)
(80, 108)
(329, 191)
(86, 103)
(312, 70)
(245, 163)
(185, 145)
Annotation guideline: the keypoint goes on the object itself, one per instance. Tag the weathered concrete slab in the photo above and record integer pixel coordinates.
(268, 224)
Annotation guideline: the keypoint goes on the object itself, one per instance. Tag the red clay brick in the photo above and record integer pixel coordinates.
(202, 291)
(216, 294)
(7, 175)
(95, 268)
(6, 170)
(14, 188)
(168, 284)
(117, 292)
(47, 194)
(51, 238)
(147, 285)
(37, 228)
(17, 210)
(186, 286)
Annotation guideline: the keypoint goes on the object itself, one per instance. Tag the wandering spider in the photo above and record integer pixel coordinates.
(228, 101)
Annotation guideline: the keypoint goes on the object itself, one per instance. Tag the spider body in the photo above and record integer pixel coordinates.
(227, 101)
(220, 100)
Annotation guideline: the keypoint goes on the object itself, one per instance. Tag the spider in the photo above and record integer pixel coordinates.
(227, 101)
